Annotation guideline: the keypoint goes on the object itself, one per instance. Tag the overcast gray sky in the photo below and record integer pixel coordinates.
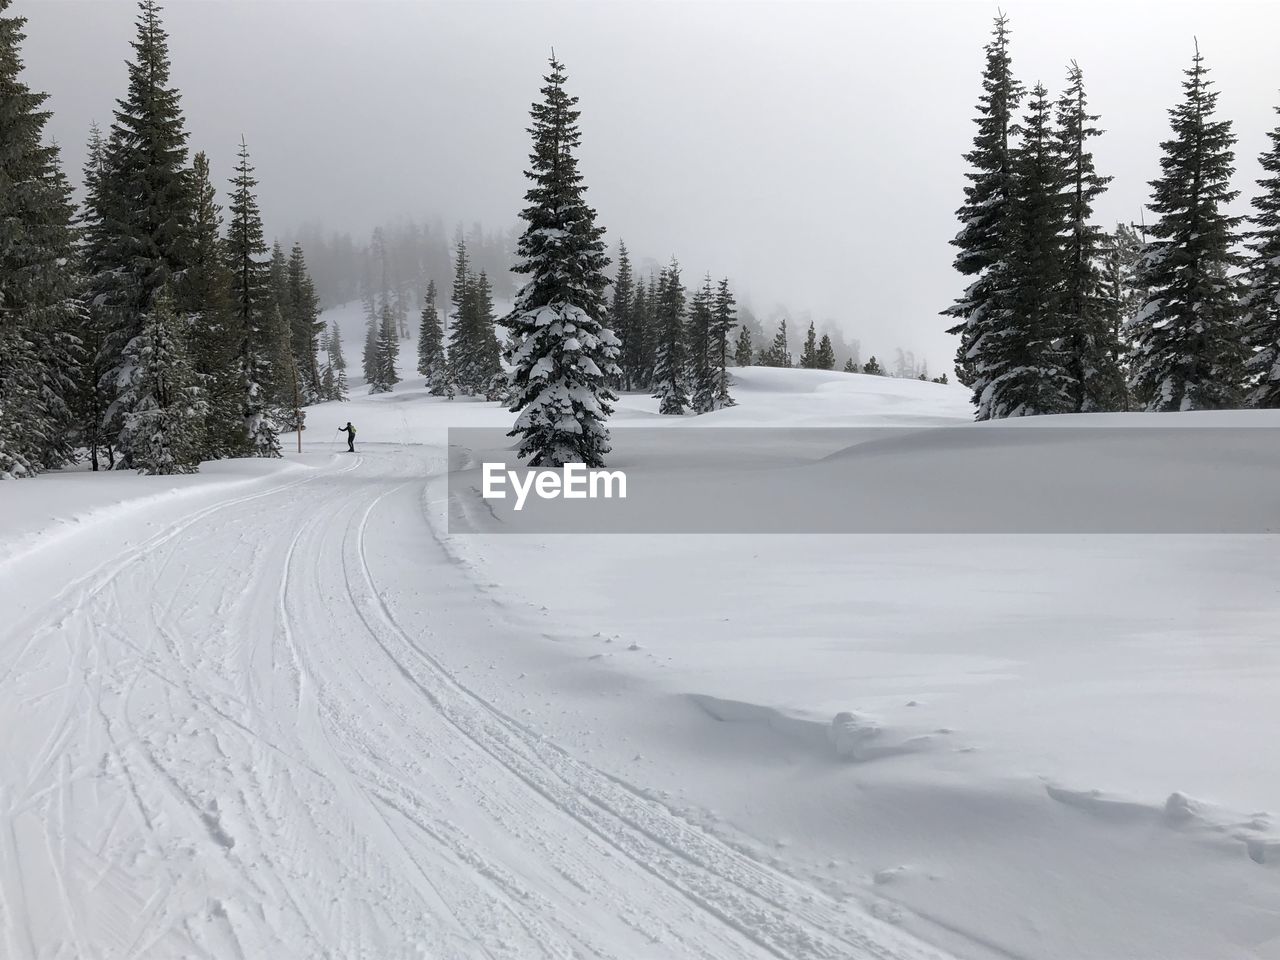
(810, 151)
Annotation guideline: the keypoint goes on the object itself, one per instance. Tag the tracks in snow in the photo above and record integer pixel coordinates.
(225, 744)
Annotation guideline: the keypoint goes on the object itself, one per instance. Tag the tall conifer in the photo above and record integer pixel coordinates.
(985, 236)
(39, 295)
(254, 313)
(561, 353)
(150, 194)
(1188, 352)
(1090, 341)
(670, 359)
(1262, 303)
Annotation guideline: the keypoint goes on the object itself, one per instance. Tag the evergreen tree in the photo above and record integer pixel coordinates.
(459, 325)
(387, 353)
(826, 356)
(702, 376)
(149, 189)
(162, 429)
(850, 366)
(1091, 341)
(622, 314)
(1262, 302)
(985, 236)
(670, 362)
(278, 277)
(743, 352)
(809, 354)
(431, 359)
(474, 361)
(779, 352)
(562, 355)
(1121, 298)
(872, 366)
(490, 379)
(337, 365)
(644, 345)
(369, 356)
(1021, 363)
(253, 314)
(302, 317)
(724, 319)
(1188, 352)
(328, 376)
(39, 295)
(94, 393)
(213, 345)
(371, 321)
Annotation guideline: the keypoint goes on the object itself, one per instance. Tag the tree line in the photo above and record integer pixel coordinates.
(140, 330)
(1061, 316)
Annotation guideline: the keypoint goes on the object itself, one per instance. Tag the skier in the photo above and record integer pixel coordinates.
(351, 436)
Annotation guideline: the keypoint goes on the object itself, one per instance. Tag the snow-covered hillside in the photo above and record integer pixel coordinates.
(277, 709)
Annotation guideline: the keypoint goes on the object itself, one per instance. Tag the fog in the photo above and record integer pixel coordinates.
(810, 151)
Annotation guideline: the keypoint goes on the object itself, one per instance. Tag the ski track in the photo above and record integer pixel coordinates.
(244, 754)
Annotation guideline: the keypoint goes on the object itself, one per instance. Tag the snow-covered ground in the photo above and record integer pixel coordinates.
(277, 709)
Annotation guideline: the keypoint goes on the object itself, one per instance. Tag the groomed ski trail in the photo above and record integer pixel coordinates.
(243, 753)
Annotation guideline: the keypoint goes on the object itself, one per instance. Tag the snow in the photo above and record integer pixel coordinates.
(275, 709)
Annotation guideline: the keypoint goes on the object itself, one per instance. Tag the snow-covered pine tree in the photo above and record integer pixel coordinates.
(1188, 351)
(809, 353)
(214, 359)
(386, 354)
(826, 353)
(724, 319)
(1020, 362)
(850, 366)
(369, 355)
(985, 235)
(872, 366)
(458, 320)
(561, 353)
(1262, 302)
(490, 380)
(622, 312)
(431, 359)
(149, 187)
(702, 372)
(670, 362)
(39, 293)
(289, 413)
(278, 277)
(1120, 298)
(302, 316)
(641, 357)
(337, 365)
(1090, 342)
(253, 313)
(163, 427)
(779, 352)
(40, 296)
(328, 377)
(743, 352)
(92, 394)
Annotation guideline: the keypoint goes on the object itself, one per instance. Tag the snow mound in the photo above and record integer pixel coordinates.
(1256, 831)
(848, 736)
